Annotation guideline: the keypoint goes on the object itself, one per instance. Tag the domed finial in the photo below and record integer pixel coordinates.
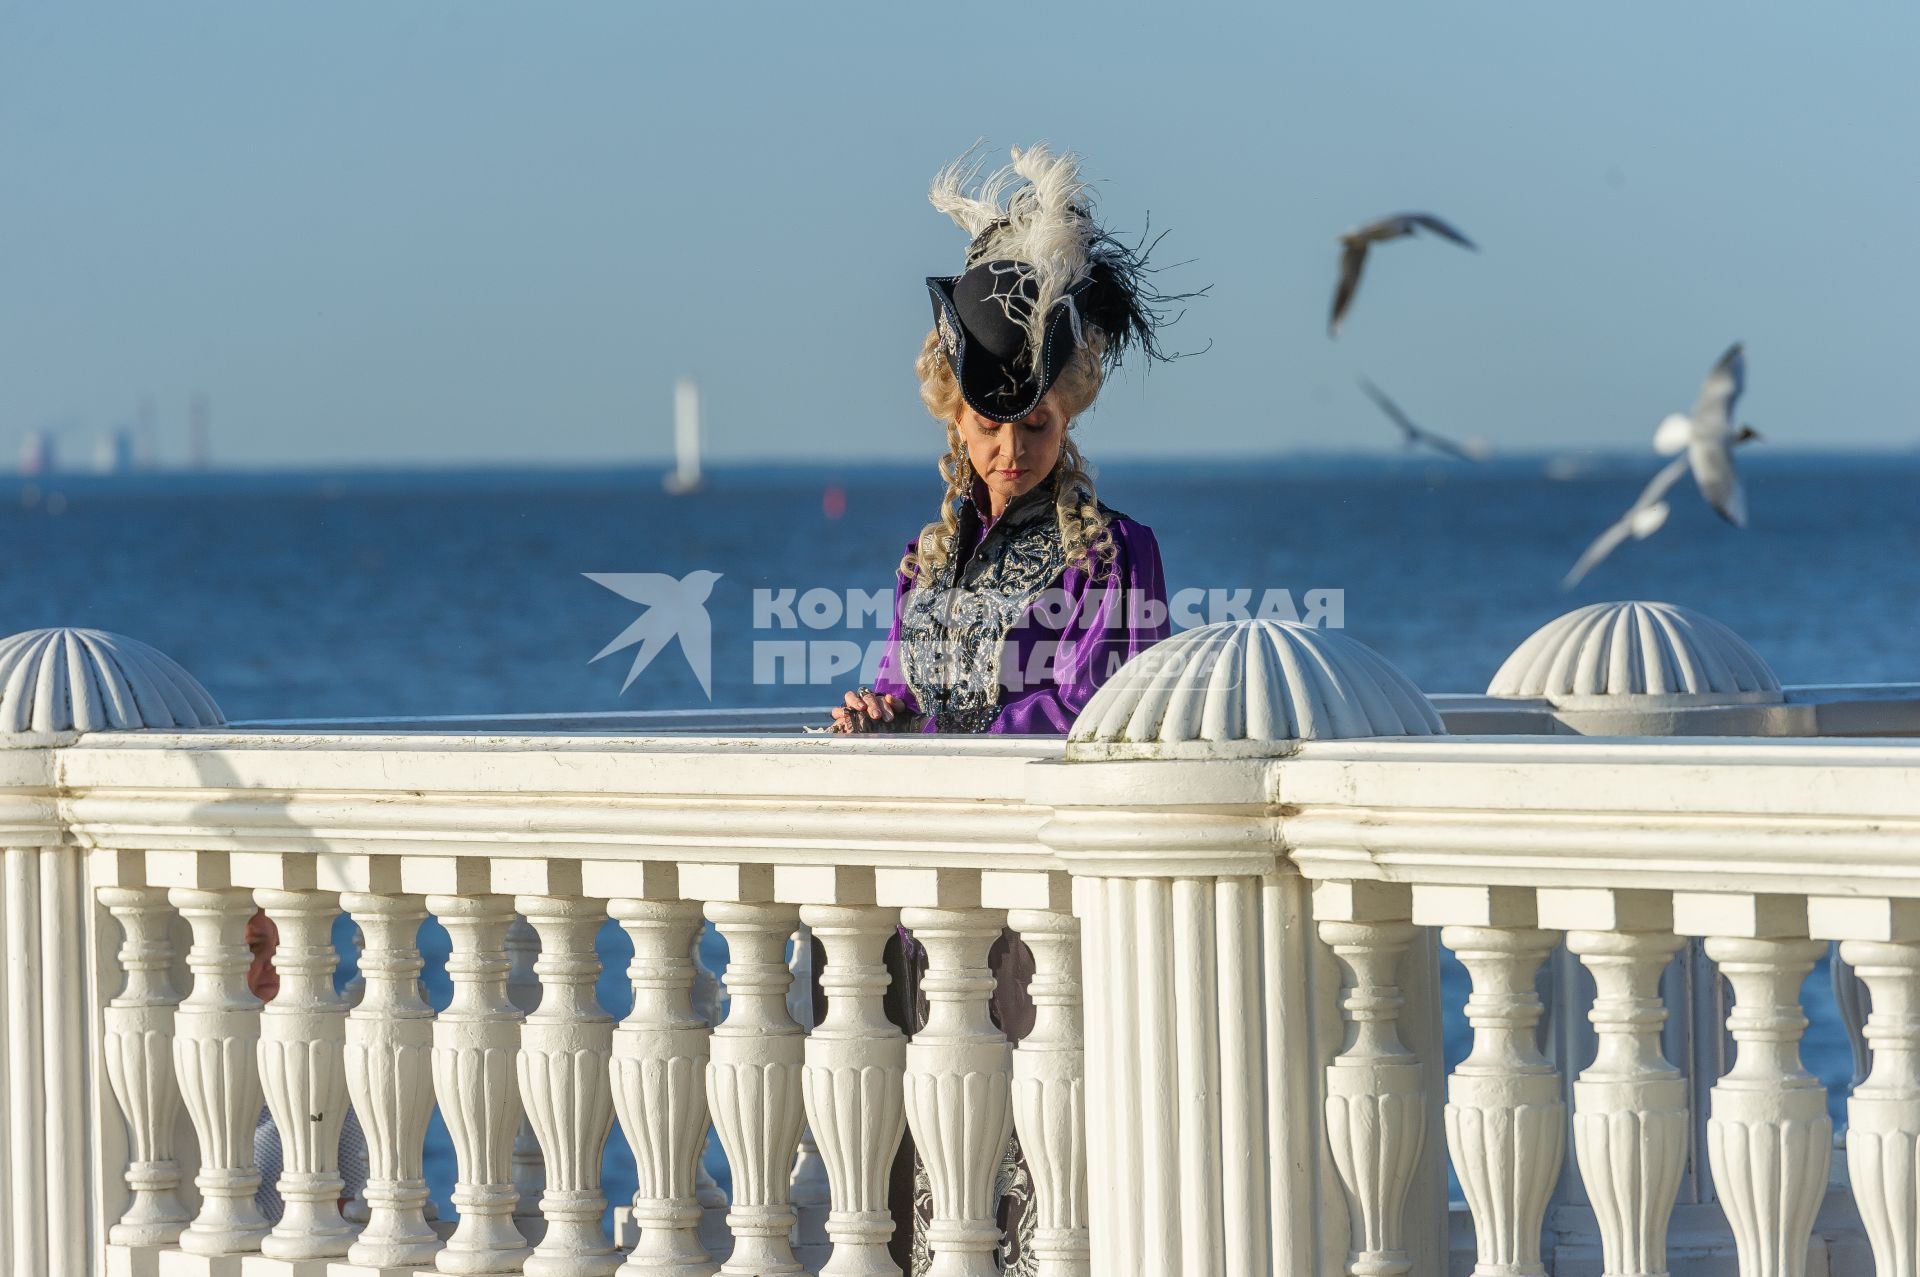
(67, 680)
(1655, 653)
(1247, 689)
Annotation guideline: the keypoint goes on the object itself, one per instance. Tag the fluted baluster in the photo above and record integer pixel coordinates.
(529, 1171)
(1883, 1115)
(389, 1056)
(1769, 1139)
(1506, 1125)
(476, 1041)
(138, 1050)
(1049, 1100)
(753, 1084)
(856, 1062)
(302, 1074)
(565, 1048)
(216, 1031)
(808, 1187)
(1375, 1106)
(1630, 1106)
(958, 1088)
(660, 1088)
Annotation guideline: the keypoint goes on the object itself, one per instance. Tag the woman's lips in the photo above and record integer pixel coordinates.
(1011, 474)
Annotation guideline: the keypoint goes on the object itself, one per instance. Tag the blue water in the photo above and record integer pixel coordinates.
(360, 594)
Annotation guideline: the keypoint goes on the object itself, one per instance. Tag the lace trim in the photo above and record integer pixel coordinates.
(953, 640)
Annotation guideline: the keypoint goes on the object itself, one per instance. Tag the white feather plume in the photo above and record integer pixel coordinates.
(1036, 210)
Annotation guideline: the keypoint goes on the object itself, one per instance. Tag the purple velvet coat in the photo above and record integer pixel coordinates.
(1092, 639)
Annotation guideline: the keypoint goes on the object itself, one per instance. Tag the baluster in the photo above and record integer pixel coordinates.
(1376, 1106)
(216, 1030)
(753, 1084)
(959, 1088)
(660, 1088)
(1630, 1106)
(808, 1187)
(475, 1044)
(1769, 1139)
(1049, 1101)
(565, 1049)
(529, 1172)
(138, 1048)
(856, 1062)
(1506, 1126)
(302, 1033)
(389, 1056)
(1883, 1115)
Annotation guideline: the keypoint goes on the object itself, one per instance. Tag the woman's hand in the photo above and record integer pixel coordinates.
(868, 711)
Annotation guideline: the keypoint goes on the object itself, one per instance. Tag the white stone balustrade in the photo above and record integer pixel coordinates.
(1235, 895)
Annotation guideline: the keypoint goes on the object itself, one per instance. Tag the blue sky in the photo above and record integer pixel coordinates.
(469, 231)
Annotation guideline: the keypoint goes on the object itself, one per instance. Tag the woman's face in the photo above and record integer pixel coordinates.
(1012, 458)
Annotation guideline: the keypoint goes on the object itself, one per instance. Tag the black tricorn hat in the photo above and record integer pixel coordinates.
(981, 317)
(1040, 276)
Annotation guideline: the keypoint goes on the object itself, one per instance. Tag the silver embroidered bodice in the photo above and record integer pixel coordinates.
(953, 635)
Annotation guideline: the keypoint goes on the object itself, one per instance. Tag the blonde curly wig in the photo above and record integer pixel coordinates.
(1083, 529)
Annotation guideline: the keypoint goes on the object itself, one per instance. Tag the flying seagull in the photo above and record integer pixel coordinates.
(1355, 243)
(1413, 434)
(1709, 454)
(1708, 436)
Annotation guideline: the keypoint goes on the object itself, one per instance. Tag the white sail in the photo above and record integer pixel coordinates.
(686, 437)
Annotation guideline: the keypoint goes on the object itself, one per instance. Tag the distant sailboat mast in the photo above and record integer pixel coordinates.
(686, 437)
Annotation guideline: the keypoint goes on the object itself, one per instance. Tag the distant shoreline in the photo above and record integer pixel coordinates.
(644, 478)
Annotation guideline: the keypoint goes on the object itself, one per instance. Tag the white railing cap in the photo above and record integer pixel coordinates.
(68, 680)
(1248, 688)
(1656, 653)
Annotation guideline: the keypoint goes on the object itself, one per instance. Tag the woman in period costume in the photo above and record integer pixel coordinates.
(1035, 591)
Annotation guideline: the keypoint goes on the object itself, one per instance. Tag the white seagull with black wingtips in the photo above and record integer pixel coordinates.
(1708, 440)
(1708, 436)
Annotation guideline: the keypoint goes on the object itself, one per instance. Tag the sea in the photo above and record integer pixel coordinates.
(385, 593)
